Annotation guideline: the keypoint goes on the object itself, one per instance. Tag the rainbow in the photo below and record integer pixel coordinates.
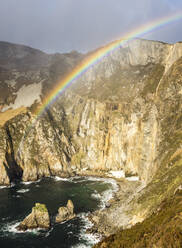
(98, 55)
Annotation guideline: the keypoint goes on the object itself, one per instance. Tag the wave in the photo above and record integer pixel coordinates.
(30, 182)
(23, 190)
(107, 194)
(48, 232)
(75, 179)
(16, 196)
(8, 186)
(96, 195)
(11, 228)
(4, 187)
(56, 178)
(88, 239)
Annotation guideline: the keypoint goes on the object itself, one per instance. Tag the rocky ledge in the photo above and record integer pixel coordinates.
(38, 218)
(66, 213)
(115, 215)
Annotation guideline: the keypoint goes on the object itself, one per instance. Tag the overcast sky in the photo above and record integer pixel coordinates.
(65, 25)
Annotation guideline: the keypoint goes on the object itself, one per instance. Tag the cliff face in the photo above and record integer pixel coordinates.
(111, 118)
(124, 113)
(4, 179)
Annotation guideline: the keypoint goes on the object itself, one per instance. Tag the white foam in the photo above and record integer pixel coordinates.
(107, 194)
(48, 233)
(100, 179)
(56, 178)
(132, 178)
(117, 174)
(84, 237)
(12, 228)
(23, 190)
(105, 197)
(96, 195)
(4, 187)
(8, 186)
(27, 183)
(89, 238)
(76, 179)
(30, 182)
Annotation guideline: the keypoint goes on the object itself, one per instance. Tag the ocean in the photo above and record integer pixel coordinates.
(87, 193)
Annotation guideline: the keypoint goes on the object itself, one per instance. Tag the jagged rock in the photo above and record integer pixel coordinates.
(4, 177)
(127, 121)
(66, 213)
(39, 218)
(123, 113)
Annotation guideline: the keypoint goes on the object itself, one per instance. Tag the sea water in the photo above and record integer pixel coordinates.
(87, 193)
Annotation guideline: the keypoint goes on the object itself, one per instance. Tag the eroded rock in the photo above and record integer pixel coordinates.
(38, 218)
(4, 177)
(66, 213)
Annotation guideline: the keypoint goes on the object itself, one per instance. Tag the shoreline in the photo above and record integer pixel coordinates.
(103, 219)
(103, 197)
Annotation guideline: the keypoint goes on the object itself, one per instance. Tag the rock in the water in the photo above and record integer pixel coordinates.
(66, 213)
(70, 206)
(39, 218)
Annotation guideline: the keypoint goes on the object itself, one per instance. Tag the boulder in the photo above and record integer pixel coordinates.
(66, 213)
(38, 218)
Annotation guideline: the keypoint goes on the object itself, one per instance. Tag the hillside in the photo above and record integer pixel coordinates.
(124, 113)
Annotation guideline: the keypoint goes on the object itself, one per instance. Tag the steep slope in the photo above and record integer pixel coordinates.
(167, 177)
(161, 230)
(124, 113)
(114, 100)
(26, 74)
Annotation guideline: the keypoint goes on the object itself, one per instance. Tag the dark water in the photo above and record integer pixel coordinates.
(87, 194)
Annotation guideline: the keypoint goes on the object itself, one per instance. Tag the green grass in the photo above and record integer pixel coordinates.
(40, 207)
(152, 79)
(162, 229)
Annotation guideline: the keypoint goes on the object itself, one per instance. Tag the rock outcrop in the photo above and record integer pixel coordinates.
(38, 218)
(4, 178)
(123, 113)
(115, 100)
(66, 213)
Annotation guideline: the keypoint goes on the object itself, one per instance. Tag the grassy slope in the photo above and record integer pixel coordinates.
(9, 114)
(162, 229)
(164, 226)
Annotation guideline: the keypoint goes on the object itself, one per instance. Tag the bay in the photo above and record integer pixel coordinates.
(87, 193)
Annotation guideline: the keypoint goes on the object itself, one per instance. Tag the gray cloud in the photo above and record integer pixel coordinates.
(64, 25)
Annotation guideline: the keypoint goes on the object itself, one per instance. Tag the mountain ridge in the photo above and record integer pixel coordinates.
(123, 113)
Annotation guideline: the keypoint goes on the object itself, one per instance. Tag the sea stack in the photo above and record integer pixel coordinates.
(38, 218)
(66, 213)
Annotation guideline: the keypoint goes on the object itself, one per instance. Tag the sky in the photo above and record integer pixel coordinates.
(83, 25)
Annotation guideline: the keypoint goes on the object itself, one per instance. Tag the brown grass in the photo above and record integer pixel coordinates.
(10, 113)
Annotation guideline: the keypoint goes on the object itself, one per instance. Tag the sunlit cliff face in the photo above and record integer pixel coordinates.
(109, 119)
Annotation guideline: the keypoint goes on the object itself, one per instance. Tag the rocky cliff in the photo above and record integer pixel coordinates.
(124, 113)
(38, 218)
